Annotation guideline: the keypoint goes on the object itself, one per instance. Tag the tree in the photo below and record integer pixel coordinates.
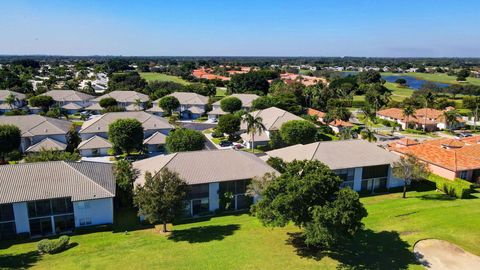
(73, 139)
(51, 155)
(169, 103)
(298, 131)
(451, 118)
(162, 198)
(473, 104)
(43, 102)
(377, 95)
(183, 139)
(248, 82)
(231, 104)
(346, 134)
(258, 184)
(408, 111)
(308, 194)
(408, 169)
(11, 99)
(463, 74)
(126, 135)
(108, 102)
(125, 176)
(254, 125)
(128, 81)
(369, 114)
(401, 81)
(369, 135)
(10, 138)
(229, 124)
(369, 77)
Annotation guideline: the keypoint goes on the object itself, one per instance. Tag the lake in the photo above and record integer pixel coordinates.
(412, 82)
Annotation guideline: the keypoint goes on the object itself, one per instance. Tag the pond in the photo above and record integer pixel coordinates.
(412, 82)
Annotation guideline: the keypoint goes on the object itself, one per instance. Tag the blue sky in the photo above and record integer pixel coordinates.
(430, 28)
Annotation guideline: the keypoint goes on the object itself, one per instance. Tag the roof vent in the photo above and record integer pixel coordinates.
(98, 128)
(46, 130)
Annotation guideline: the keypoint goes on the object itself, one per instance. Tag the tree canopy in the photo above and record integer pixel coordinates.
(169, 103)
(229, 124)
(108, 102)
(10, 138)
(248, 82)
(231, 104)
(126, 135)
(298, 131)
(44, 102)
(183, 139)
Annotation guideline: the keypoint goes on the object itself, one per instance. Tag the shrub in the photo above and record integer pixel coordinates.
(53, 246)
(458, 188)
(217, 134)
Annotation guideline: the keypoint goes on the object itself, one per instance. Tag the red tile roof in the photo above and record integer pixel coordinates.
(340, 123)
(314, 112)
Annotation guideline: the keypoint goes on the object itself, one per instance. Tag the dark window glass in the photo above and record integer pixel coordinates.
(41, 226)
(6, 212)
(64, 223)
(32, 212)
(7, 230)
(198, 191)
(240, 187)
(43, 208)
(227, 187)
(375, 171)
(200, 206)
(69, 205)
(243, 202)
(59, 206)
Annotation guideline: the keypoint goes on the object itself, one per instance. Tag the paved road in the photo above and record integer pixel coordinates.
(197, 126)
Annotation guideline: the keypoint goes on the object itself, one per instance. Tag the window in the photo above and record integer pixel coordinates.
(85, 221)
(346, 174)
(64, 223)
(464, 175)
(7, 230)
(50, 207)
(375, 171)
(200, 206)
(199, 191)
(6, 212)
(83, 205)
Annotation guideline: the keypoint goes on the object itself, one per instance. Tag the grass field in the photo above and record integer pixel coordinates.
(241, 242)
(436, 77)
(152, 76)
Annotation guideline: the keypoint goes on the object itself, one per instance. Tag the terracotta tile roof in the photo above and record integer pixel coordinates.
(454, 155)
(314, 112)
(394, 113)
(340, 123)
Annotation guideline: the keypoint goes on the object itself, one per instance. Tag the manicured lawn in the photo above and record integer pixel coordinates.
(153, 76)
(221, 92)
(241, 242)
(436, 77)
(399, 93)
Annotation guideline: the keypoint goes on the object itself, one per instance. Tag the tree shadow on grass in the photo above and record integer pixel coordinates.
(367, 250)
(437, 197)
(204, 234)
(19, 261)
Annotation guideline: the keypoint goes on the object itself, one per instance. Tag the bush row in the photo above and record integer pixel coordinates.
(53, 246)
(456, 188)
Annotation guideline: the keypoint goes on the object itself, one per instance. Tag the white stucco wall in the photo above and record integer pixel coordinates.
(213, 198)
(20, 210)
(357, 179)
(98, 211)
(393, 181)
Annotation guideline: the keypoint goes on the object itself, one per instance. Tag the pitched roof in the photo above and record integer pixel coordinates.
(56, 179)
(451, 154)
(5, 93)
(72, 106)
(33, 125)
(94, 107)
(340, 123)
(314, 112)
(100, 123)
(68, 95)
(337, 154)
(218, 111)
(201, 167)
(246, 99)
(47, 144)
(156, 139)
(155, 108)
(133, 107)
(273, 117)
(394, 113)
(94, 142)
(123, 96)
(189, 98)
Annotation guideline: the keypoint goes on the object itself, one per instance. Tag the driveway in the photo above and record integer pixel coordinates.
(442, 255)
(197, 126)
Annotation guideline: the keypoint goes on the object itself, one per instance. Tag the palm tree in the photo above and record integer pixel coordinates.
(408, 111)
(137, 103)
(451, 118)
(369, 135)
(346, 134)
(11, 99)
(254, 125)
(369, 114)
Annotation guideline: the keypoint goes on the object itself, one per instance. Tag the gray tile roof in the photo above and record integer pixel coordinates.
(156, 139)
(200, 167)
(68, 95)
(149, 121)
(5, 93)
(34, 125)
(246, 99)
(56, 179)
(188, 98)
(72, 106)
(95, 142)
(337, 154)
(47, 144)
(124, 96)
(273, 118)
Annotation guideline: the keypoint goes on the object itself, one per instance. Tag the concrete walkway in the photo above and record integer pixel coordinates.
(442, 255)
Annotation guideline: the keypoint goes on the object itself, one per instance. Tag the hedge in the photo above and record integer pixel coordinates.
(53, 246)
(456, 188)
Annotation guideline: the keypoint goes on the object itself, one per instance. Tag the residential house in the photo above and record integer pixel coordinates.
(39, 132)
(207, 74)
(210, 174)
(449, 158)
(363, 166)
(20, 100)
(319, 114)
(339, 125)
(70, 100)
(98, 126)
(46, 198)
(273, 119)
(247, 100)
(130, 100)
(425, 118)
(94, 146)
(192, 105)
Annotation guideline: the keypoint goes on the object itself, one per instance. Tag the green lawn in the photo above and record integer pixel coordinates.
(399, 93)
(241, 242)
(221, 92)
(436, 77)
(153, 76)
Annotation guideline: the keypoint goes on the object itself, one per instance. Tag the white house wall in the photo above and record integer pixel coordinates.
(98, 211)
(20, 210)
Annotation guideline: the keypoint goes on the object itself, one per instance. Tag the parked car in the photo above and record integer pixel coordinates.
(238, 146)
(461, 135)
(225, 143)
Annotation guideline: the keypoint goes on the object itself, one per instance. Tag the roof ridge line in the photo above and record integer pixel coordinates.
(88, 178)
